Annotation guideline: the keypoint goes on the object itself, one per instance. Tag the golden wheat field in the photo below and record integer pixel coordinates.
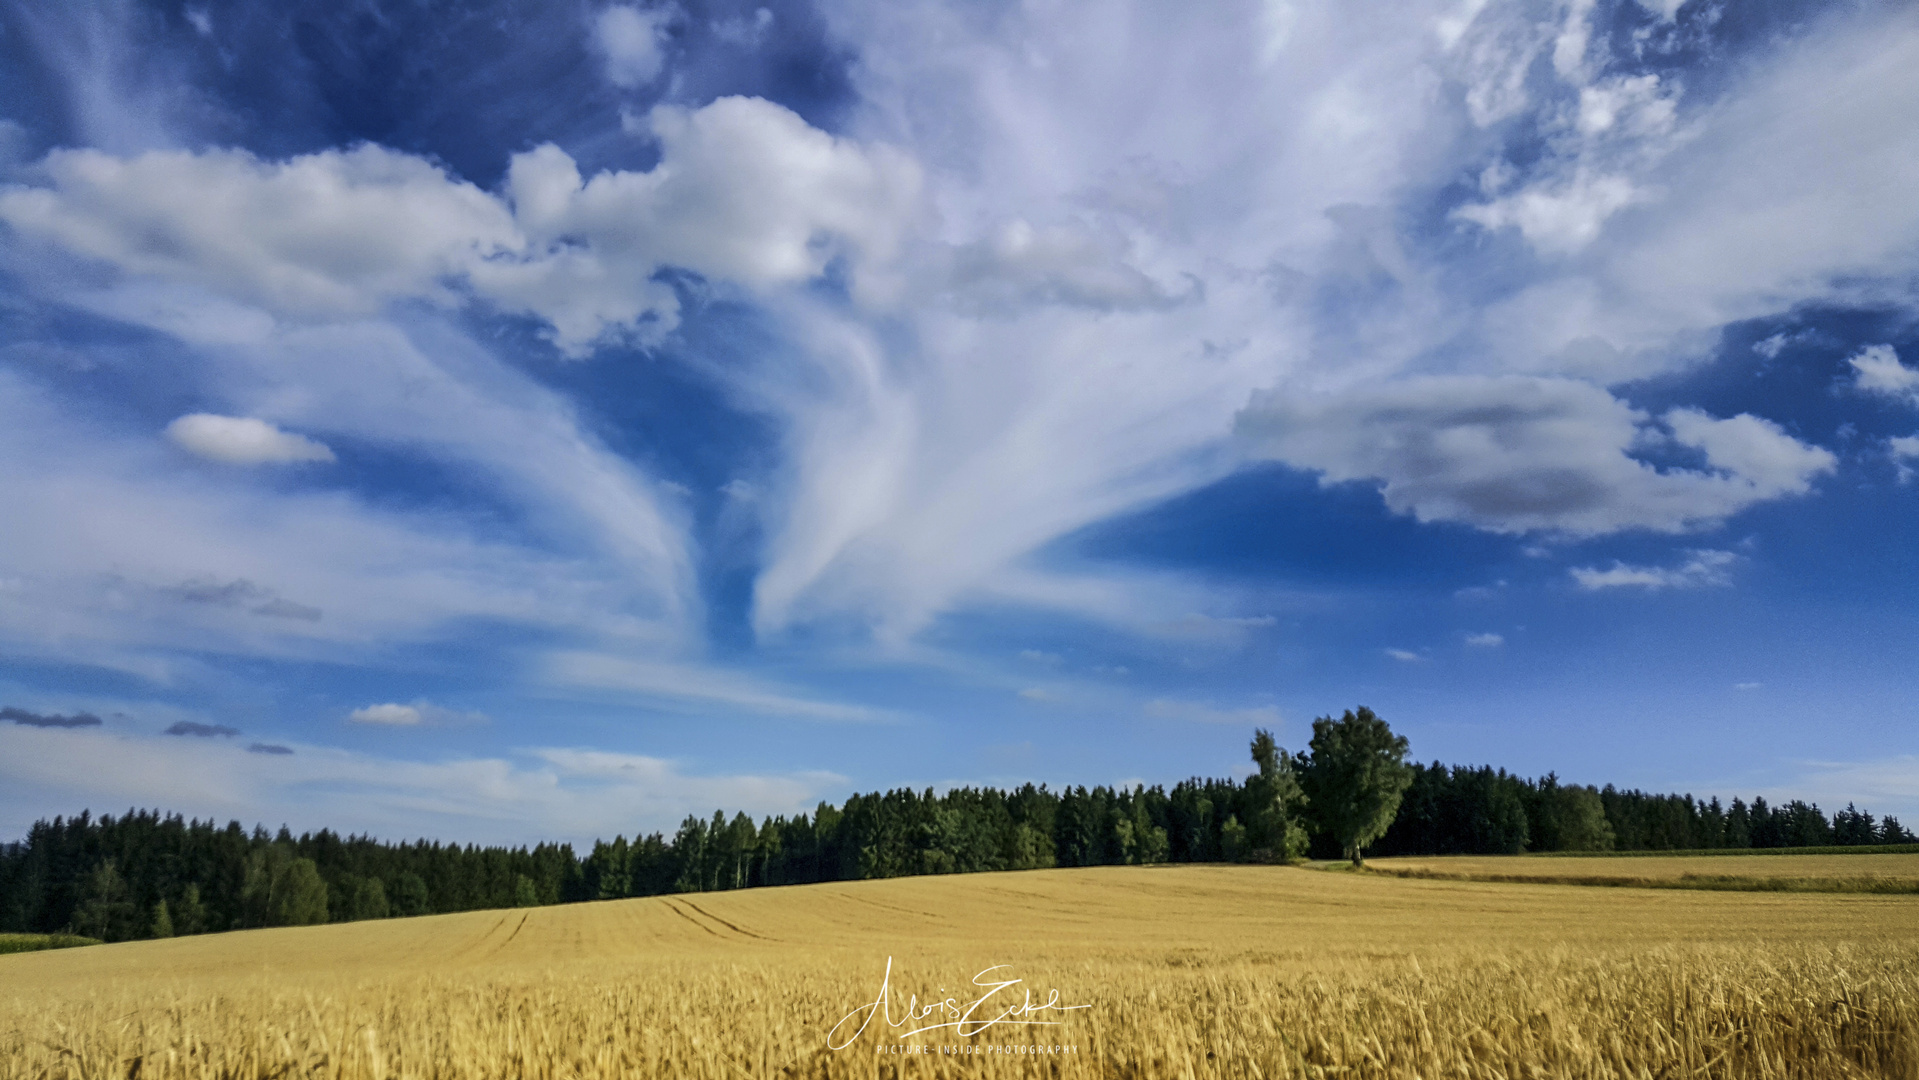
(1192, 971)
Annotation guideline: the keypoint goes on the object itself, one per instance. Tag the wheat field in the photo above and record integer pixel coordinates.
(1190, 971)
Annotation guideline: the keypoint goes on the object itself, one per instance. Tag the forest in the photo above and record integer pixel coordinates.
(149, 874)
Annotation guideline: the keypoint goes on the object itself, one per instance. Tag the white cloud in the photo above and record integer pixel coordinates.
(216, 568)
(386, 715)
(633, 41)
(1903, 448)
(530, 796)
(243, 440)
(1703, 568)
(1405, 656)
(337, 232)
(691, 687)
(745, 192)
(1515, 454)
(1878, 371)
(1735, 222)
(1036, 656)
(1485, 641)
(1266, 716)
(744, 32)
(1040, 694)
(1560, 219)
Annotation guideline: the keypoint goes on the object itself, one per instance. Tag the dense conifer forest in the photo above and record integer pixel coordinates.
(145, 874)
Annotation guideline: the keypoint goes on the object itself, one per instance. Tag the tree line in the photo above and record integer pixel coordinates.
(145, 874)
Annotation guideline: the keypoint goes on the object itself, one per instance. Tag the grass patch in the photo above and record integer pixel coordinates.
(1709, 882)
(13, 943)
(1829, 849)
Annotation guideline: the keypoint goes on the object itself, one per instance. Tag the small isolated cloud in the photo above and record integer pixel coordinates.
(1405, 656)
(388, 715)
(1035, 656)
(1486, 641)
(238, 440)
(1197, 712)
(1038, 693)
(1903, 448)
(744, 32)
(48, 720)
(269, 748)
(393, 714)
(1704, 568)
(1877, 370)
(1747, 686)
(203, 731)
(633, 41)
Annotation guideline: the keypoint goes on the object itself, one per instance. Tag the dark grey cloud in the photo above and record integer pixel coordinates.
(269, 748)
(205, 731)
(287, 609)
(240, 593)
(34, 719)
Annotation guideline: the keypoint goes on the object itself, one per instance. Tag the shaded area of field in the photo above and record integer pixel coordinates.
(1891, 873)
(1200, 970)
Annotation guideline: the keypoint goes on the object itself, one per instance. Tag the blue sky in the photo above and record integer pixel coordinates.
(504, 421)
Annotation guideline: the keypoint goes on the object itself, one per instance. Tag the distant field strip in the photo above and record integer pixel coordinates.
(1200, 971)
(1881, 873)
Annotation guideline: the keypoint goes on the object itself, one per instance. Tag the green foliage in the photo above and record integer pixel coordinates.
(299, 896)
(18, 943)
(1276, 804)
(162, 924)
(524, 892)
(1354, 778)
(1572, 818)
(107, 911)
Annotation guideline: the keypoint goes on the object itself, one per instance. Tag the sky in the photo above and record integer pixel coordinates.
(508, 421)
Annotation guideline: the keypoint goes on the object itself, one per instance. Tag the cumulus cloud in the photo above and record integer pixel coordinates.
(337, 232)
(234, 440)
(1877, 370)
(1485, 641)
(48, 720)
(1703, 568)
(1266, 716)
(632, 40)
(745, 191)
(202, 731)
(269, 748)
(1516, 454)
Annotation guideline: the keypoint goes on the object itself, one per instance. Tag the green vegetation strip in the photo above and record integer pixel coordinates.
(1712, 882)
(13, 943)
(1829, 849)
